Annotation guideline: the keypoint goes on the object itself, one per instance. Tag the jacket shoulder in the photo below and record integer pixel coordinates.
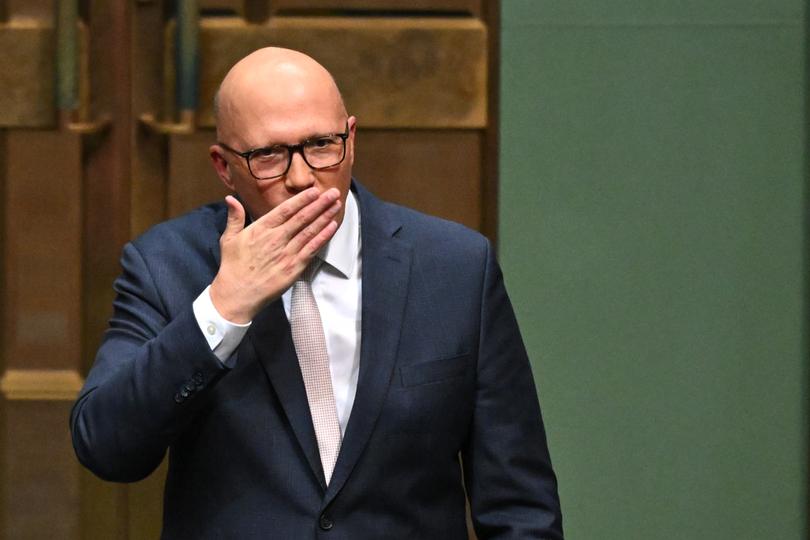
(199, 227)
(438, 235)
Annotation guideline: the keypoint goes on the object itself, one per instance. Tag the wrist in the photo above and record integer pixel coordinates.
(226, 302)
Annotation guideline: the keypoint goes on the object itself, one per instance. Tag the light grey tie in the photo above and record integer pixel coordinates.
(310, 346)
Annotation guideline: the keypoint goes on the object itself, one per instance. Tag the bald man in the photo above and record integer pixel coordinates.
(317, 362)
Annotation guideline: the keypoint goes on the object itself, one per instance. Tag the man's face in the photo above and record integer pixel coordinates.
(259, 122)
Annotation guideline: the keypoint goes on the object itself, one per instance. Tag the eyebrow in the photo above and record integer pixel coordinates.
(305, 139)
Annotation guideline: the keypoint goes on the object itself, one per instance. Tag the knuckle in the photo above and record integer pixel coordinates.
(284, 212)
(309, 232)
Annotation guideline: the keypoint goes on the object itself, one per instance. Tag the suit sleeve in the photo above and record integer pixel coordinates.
(507, 468)
(150, 376)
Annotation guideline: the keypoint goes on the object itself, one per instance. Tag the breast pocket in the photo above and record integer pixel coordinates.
(434, 371)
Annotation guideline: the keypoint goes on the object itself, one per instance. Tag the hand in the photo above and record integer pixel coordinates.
(261, 261)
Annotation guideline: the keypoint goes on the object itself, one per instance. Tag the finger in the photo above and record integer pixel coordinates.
(313, 246)
(284, 211)
(236, 217)
(308, 214)
(311, 231)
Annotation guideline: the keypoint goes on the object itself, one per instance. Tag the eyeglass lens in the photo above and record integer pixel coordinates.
(319, 153)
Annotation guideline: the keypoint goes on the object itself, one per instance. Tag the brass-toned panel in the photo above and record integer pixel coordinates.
(437, 171)
(27, 74)
(40, 474)
(43, 250)
(40, 384)
(408, 72)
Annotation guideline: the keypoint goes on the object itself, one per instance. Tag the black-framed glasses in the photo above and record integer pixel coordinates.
(321, 152)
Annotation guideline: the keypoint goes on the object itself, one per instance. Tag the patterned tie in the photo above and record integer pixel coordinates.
(310, 346)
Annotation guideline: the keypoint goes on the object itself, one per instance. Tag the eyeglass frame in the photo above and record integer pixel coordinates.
(291, 149)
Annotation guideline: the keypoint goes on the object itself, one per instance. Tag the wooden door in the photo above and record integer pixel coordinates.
(105, 120)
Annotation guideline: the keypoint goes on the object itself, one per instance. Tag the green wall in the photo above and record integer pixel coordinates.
(653, 237)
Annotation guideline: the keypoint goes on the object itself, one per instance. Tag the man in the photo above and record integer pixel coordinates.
(317, 362)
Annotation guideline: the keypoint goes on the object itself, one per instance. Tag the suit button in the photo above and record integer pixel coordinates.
(189, 387)
(178, 398)
(325, 522)
(183, 392)
(198, 378)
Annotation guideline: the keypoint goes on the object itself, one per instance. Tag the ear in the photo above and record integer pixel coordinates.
(221, 166)
(350, 142)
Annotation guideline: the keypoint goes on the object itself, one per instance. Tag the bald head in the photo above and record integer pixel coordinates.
(274, 83)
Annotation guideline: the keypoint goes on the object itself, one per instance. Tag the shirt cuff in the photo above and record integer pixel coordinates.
(222, 335)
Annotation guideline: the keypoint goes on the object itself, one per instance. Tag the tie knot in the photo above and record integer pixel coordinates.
(309, 271)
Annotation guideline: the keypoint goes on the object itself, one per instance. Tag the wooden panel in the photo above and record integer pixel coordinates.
(148, 173)
(286, 7)
(43, 249)
(103, 512)
(41, 475)
(41, 384)
(192, 180)
(107, 170)
(409, 72)
(145, 506)
(26, 74)
(472, 7)
(29, 9)
(107, 176)
(437, 171)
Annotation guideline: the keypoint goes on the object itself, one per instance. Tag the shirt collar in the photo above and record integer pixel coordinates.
(343, 249)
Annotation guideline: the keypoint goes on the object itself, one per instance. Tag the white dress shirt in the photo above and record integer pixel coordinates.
(337, 289)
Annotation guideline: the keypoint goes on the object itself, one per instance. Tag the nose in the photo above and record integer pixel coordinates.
(299, 176)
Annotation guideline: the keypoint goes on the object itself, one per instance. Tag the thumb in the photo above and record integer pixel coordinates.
(236, 217)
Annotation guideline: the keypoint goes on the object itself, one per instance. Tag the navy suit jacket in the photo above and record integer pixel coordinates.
(445, 398)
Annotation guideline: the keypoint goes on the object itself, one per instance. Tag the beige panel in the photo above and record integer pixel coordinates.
(408, 72)
(436, 171)
(27, 74)
(41, 475)
(43, 247)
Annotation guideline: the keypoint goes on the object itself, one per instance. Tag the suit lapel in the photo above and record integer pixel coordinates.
(270, 337)
(386, 272)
